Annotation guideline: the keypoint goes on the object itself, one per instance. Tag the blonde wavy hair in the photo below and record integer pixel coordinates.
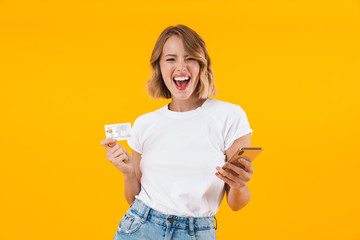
(195, 46)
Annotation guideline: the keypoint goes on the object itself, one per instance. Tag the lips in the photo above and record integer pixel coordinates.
(181, 83)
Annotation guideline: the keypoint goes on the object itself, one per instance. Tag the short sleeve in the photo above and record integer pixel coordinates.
(237, 125)
(135, 139)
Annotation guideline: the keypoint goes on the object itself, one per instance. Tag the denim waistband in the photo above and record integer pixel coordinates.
(191, 223)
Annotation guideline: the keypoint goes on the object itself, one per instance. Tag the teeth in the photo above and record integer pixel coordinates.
(181, 78)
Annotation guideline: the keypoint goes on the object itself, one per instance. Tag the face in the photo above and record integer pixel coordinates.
(179, 70)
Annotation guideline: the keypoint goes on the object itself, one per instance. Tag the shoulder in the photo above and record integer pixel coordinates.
(219, 108)
(149, 117)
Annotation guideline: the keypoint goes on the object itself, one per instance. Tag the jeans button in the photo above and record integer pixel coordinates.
(171, 220)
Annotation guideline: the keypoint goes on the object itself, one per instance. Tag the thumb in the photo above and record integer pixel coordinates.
(108, 143)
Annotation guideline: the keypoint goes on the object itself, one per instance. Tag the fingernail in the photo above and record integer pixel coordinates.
(217, 168)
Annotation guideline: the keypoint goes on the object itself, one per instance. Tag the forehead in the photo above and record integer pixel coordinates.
(173, 44)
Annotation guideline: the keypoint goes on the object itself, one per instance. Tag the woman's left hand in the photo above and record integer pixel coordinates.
(236, 177)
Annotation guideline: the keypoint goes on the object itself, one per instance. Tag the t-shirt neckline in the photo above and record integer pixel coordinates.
(175, 114)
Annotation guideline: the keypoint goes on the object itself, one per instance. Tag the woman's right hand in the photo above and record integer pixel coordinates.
(118, 156)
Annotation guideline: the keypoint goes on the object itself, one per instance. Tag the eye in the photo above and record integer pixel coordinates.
(190, 59)
(170, 59)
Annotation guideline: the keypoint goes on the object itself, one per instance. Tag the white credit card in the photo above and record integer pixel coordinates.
(121, 131)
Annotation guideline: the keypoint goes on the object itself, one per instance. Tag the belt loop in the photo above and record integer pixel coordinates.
(146, 214)
(216, 223)
(191, 226)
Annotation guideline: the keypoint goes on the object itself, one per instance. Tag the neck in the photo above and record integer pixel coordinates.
(179, 105)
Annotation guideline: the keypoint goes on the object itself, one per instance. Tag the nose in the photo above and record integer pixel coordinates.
(181, 67)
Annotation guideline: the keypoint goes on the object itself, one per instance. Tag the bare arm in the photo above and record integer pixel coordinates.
(129, 166)
(237, 198)
(132, 183)
(237, 191)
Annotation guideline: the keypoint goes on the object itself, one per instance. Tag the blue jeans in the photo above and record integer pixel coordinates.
(143, 222)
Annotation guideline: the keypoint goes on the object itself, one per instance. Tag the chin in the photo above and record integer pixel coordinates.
(182, 96)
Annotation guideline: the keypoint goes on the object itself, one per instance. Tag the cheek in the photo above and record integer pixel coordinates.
(195, 66)
(166, 75)
(165, 70)
(195, 69)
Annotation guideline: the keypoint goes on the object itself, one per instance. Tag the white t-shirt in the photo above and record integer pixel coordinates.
(180, 153)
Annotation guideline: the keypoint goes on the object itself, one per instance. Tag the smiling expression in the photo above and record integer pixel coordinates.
(179, 70)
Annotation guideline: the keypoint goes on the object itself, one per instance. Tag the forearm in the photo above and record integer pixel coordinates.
(238, 198)
(131, 187)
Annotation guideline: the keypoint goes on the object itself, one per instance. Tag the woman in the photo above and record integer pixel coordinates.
(174, 180)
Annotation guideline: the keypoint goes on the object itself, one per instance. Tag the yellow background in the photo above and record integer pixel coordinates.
(67, 68)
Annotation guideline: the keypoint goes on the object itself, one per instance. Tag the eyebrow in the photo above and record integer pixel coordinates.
(173, 55)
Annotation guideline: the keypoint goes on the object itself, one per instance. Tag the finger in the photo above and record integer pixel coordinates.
(119, 159)
(108, 143)
(241, 172)
(229, 181)
(227, 174)
(117, 153)
(117, 147)
(122, 152)
(233, 167)
(247, 165)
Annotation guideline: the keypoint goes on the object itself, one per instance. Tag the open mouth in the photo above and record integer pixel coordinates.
(181, 82)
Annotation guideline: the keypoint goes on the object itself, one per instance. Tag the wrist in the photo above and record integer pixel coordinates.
(239, 190)
(130, 175)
